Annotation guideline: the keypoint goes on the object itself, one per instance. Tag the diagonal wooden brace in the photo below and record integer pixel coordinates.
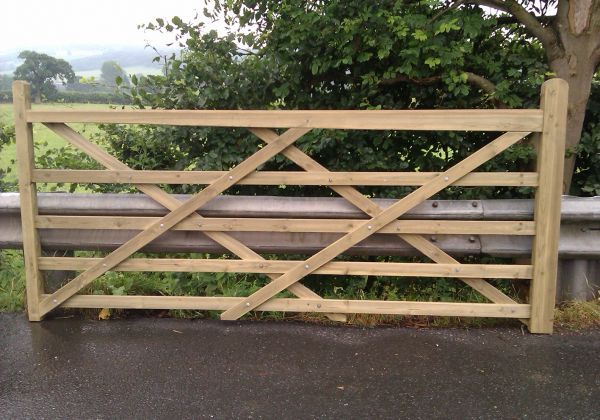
(369, 227)
(171, 203)
(365, 204)
(165, 223)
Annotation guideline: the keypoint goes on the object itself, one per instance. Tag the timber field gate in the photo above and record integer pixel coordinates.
(548, 122)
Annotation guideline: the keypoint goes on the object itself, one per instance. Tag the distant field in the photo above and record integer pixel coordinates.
(44, 139)
(128, 70)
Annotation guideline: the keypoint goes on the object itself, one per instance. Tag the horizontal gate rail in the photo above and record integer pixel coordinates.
(390, 179)
(234, 224)
(492, 310)
(355, 268)
(442, 120)
(375, 221)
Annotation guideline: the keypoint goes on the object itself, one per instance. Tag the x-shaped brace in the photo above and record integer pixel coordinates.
(371, 226)
(370, 208)
(179, 211)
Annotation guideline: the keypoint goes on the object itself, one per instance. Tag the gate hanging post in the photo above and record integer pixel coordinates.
(550, 163)
(28, 196)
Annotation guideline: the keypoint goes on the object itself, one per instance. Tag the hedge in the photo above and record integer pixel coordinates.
(77, 97)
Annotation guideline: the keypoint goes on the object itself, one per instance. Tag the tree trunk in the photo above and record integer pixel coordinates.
(38, 98)
(580, 83)
(578, 27)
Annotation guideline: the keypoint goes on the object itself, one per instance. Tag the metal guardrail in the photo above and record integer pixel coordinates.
(579, 247)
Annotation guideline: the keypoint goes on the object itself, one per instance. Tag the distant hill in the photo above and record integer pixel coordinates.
(125, 57)
(89, 59)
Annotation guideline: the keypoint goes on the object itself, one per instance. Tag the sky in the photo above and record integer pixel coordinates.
(54, 23)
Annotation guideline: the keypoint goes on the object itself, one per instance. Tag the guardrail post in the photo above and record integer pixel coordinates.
(550, 162)
(28, 197)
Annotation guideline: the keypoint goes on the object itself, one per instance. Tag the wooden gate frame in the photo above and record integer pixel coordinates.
(550, 121)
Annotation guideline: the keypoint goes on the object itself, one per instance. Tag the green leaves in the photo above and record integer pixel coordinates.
(432, 62)
(335, 55)
(447, 26)
(420, 35)
(7, 136)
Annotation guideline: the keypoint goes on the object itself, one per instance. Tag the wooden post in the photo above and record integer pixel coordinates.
(28, 196)
(550, 162)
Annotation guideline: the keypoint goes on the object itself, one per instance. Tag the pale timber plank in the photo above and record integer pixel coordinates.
(303, 305)
(508, 179)
(28, 195)
(551, 150)
(431, 120)
(233, 224)
(358, 268)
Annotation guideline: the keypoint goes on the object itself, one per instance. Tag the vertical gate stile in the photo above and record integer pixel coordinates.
(550, 162)
(28, 197)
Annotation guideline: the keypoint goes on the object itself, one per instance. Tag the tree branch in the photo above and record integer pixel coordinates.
(507, 20)
(454, 5)
(474, 79)
(545, 35)
(401, 79)
(486, 85)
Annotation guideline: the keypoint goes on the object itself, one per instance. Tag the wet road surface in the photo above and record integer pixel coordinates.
(165, 368)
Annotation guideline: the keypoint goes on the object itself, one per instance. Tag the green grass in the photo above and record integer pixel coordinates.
(44, 139)
(12, 281)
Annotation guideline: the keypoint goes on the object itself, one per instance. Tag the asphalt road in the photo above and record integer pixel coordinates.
(163, 368)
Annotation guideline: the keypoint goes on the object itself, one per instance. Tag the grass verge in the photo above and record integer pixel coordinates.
(578, 315)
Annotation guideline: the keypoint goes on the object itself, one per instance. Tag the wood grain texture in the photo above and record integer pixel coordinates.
(304, 305)
(234, 224)
(550, 160)
(453, 120)
(357, 268)
(480, 179)
(28, 196)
